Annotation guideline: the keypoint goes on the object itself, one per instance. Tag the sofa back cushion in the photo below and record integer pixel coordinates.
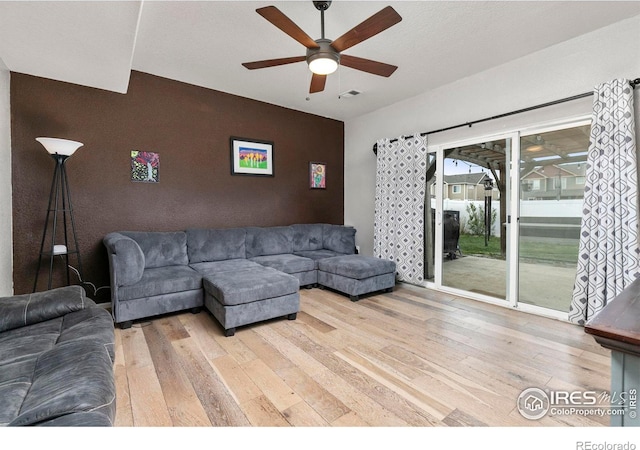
(339, 238)
(161, 248)
(307, 237)
(207, 245)
(268, 241)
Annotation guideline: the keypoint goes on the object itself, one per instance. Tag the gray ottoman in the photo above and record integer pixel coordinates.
(356, 275)
(251, 295)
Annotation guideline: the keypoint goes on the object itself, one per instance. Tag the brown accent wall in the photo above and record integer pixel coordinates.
(189, 127)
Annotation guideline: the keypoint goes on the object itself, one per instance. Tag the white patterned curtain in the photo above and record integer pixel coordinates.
(608, 252)
(399, 207)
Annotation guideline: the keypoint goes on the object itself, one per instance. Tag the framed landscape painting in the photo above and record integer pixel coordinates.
(251, 157)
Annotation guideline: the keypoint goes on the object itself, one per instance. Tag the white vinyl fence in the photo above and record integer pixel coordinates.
(531, 208)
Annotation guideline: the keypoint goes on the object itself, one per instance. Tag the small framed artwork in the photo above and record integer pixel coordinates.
(145, 167)
(317, 175)
(251, 157)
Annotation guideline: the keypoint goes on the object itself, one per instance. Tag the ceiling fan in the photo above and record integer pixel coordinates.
(324, 55)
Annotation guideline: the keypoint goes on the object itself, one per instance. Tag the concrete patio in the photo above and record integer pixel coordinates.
(544, 285)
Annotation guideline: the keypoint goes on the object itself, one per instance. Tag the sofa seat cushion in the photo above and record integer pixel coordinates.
(249, 285)
(28, 342)
(224, 266)
(162, 280)
(94, 324)
(317, 255)
(25, 343)
(72, 377)
(58, 367)
(357, 267)
(286, 263)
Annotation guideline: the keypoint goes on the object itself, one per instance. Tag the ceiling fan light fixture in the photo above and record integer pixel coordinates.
(323, 60)
(323, 55)
(323, 65)
(538, 144)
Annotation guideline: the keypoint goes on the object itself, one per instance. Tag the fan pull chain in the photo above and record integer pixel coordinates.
(309, 76)
(339, 80)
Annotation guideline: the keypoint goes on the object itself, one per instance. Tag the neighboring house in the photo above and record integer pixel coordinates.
(467, 187)
(554, 182)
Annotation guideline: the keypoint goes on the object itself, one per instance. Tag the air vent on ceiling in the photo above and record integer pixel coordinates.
(351, 93)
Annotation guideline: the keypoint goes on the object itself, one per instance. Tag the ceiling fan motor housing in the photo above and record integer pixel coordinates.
(324, 50)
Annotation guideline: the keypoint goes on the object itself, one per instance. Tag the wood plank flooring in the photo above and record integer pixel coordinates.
(414, 357)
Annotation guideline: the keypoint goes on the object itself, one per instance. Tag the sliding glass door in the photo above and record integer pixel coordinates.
(515, 246)
(472, 217)
(552, 170)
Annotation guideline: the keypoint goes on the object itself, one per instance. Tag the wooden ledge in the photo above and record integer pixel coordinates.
(617, 326)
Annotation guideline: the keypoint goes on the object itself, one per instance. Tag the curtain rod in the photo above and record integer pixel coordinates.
(633, 84)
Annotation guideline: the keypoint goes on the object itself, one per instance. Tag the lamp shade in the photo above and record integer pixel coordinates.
(57, 146)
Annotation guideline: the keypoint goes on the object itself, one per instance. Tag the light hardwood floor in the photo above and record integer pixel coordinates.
(414, 357)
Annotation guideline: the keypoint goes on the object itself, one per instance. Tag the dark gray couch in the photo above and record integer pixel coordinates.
(56, 360)
(154, 273)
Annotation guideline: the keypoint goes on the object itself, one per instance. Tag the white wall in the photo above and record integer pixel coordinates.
(6, 254)
(564, 70)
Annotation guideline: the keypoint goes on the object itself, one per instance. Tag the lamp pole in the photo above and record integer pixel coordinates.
(59, 202)
(488, 187)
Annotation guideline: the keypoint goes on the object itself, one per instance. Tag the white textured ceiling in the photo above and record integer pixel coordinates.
(97, 44)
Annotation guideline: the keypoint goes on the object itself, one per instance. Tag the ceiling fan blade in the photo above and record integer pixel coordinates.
(273, 62)
(375, 24)
(367, 65)
(277, 18)
(317, 83)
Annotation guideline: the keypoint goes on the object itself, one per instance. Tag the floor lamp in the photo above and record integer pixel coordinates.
(60, 208)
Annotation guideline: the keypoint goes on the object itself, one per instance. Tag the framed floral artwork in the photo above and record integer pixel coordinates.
(251, 157)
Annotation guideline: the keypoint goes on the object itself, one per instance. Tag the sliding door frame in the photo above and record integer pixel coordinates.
(437, 284)
(512, 228)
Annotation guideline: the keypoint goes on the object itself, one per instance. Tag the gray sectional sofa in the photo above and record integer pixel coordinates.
(241, 275)
(56, 360)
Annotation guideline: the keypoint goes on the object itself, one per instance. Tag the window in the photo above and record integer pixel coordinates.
(456, 189)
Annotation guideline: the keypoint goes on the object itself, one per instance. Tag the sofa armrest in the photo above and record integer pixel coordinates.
(126, 259)
(22, 310)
